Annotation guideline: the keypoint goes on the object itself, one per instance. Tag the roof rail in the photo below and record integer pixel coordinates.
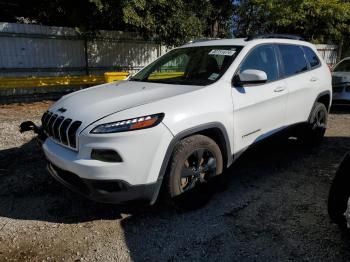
(282, 36)
(201, 40)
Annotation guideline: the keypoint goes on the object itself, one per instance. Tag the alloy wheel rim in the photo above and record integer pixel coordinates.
(198, 167)
(320, 120)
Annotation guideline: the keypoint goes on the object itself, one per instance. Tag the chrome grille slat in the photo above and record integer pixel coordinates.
(52, 122)
(68, 135)
(63, 130)
(72, 133)
(44, 120)
(47, 119)
(56, 126)
(60, 129)
(43, 117)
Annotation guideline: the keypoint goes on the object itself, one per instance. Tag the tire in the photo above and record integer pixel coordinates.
(339, 194)
(313, 132)
(194, 162)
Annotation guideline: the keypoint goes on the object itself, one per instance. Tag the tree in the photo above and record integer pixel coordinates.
(87, 15)
(219, 18)
(168, 22)
(175, 22)
(316, 20)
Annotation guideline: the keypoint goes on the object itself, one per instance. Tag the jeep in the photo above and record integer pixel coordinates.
(184, 118)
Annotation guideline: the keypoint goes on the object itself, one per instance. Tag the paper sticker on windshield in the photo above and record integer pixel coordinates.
(213, 76)
(222, 52)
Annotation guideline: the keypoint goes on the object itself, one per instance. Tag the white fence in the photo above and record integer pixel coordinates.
(329, 53)
(34, 50)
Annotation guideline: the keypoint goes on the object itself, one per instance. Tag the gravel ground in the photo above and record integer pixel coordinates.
(273, 208)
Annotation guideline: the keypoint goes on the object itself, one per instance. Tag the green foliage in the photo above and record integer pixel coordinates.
(168, 22)
(316, 20)
(175, 22)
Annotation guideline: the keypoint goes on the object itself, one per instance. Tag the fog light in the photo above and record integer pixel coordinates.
(106, 155)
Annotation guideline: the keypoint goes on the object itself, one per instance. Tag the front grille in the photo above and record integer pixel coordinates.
(60, 129)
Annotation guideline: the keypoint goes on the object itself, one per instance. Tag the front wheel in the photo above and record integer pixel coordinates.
(195, 161)
(339, 194)
(315, 128)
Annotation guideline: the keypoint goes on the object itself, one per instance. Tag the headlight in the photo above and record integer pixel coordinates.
(129, 124)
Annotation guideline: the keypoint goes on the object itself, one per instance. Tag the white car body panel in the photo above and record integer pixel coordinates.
(247, 114)
(97, 102)
(267, 106)
(303, 88)
(155, 140)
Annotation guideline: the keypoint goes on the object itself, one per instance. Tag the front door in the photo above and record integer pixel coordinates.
(259, 109)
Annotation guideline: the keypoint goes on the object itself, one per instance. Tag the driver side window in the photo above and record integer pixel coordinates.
(262, 58)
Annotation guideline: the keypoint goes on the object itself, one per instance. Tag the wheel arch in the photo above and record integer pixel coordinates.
(324, 98)
(214, 130)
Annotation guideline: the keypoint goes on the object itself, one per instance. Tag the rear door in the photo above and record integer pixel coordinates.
(301, 81)
(259, 109)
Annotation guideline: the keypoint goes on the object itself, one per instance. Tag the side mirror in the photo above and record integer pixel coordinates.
(250, 76)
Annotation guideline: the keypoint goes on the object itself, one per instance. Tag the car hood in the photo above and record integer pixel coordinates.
(94, 103)
(340, 77)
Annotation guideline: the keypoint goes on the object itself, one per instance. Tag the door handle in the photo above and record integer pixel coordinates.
(279, 89)
(313, 79)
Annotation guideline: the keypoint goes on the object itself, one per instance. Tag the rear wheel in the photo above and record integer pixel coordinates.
(195, 161)
(314, 130)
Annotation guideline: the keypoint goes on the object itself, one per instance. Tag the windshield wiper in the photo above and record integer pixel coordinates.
(135, 79)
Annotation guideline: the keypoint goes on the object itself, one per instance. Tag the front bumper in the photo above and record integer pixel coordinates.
(135, 177)
(105, 191)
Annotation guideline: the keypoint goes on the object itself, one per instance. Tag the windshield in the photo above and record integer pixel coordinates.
(343, 67)
(200, 65)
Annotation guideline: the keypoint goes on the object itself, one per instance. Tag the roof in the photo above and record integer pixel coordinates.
(242, 42)
(232, 41)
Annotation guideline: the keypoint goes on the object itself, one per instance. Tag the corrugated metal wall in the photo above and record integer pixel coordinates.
(22, 52)
(34, 50)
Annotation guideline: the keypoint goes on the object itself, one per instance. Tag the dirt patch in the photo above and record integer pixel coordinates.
(273, 208)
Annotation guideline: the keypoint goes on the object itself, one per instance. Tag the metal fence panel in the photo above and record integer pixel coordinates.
(22, 52)
(329, 53)
(34, 50)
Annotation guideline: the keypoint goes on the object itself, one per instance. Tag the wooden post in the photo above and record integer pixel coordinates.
(340, 48)
(86, 56)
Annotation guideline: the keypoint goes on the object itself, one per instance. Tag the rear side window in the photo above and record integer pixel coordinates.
(311, 56)
(293, 59)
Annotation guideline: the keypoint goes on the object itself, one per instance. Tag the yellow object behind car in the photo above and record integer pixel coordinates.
(164, 75)
(115, 76)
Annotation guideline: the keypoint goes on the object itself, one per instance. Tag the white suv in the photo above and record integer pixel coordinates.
(185, 117)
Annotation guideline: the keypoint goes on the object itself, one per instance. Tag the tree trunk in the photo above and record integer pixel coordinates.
(340, 48)
(215, 29)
